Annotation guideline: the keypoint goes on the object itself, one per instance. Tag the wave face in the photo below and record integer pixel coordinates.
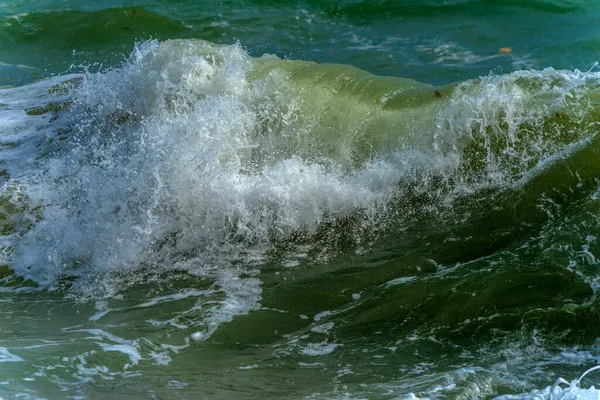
(317, 213)
(154, 164)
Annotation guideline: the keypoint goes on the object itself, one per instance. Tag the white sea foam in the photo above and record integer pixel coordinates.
(572, 391)
(324, 328)
(7, 356)
(319, 349)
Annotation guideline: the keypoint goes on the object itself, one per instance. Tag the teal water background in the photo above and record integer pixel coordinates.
(430, 41)
(181, 220)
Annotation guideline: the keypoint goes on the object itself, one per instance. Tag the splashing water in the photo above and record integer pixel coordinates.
(196, 198)
(556, 392)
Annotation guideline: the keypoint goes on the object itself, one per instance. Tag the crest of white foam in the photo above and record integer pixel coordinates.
(571, 391)
(502, 125)
(6, 356)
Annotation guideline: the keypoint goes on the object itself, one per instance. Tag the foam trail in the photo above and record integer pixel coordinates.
(556, 392)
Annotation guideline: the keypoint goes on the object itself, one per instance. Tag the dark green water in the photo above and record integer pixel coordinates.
(299, 200)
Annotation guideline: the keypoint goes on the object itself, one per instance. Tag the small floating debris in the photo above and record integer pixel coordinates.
(505, 50)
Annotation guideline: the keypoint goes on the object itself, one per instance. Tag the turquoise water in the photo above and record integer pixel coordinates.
(430, 41)
(260, 200)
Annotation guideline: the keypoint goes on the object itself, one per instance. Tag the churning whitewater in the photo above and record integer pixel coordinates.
(198, 179)
(196, 150)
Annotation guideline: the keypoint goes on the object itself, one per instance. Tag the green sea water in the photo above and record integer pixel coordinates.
(299, 200)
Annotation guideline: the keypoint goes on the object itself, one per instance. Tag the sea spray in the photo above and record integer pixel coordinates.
(194, 168)
(192, 148)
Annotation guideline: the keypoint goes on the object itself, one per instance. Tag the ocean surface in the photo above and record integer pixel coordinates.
(299, 199)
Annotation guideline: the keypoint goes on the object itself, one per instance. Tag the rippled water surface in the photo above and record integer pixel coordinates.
(299, 200)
